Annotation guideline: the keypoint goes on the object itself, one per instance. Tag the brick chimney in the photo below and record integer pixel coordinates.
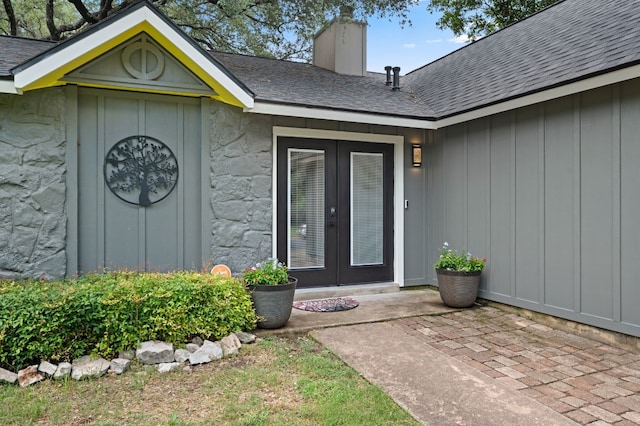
(342, 45)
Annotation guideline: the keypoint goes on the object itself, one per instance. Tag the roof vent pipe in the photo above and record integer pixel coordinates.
(396, 78)
(388, 70)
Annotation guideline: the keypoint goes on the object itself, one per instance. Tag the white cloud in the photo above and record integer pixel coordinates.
(460, 39)
(435, 40)
(409, 45)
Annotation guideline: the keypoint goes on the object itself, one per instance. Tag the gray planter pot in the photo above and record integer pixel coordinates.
(458, 289)
(273, 303)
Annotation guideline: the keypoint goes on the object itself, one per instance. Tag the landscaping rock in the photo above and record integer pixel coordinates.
(86, 367)
(8, 376)
(151, 352)
(197, 341)
(47, 368)
(155, 352)
(230, 345)
(245, 337)
(30, 375)
(181, 355)
(127, 354)
(63, 370)
(119, 365)
(192, 347)
(166, 367)
(206, 353)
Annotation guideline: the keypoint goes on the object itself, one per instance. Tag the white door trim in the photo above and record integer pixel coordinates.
(398, 182)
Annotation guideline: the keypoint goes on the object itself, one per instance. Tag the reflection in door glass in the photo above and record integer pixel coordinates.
(306, 209)
(367, 221)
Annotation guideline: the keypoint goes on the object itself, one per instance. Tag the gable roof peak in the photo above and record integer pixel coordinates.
(50, 67)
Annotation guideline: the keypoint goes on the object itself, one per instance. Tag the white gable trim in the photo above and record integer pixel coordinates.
(142, 17)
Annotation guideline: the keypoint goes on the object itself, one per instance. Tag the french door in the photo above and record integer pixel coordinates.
(335, 211)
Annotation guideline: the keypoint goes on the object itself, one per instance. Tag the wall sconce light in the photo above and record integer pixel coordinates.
(416, 155)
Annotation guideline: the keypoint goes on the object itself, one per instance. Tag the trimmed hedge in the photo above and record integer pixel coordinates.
(102, 314)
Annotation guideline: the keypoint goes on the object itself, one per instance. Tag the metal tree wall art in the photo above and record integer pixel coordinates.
(140, 170)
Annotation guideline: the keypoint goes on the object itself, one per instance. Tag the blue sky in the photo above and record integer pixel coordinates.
(409, 47)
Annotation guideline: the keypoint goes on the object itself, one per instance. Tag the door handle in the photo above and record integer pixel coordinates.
(332, 213)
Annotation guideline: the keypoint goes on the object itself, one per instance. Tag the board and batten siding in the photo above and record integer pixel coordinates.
(550, 194)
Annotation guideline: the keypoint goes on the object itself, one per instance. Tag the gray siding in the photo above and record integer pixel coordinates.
(630, 204)
(416, 268)
(549, 193)
(113, 234)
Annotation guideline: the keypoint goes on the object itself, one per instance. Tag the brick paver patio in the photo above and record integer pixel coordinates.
(585, 380)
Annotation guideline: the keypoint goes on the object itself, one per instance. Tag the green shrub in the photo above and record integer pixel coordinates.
(102, 314)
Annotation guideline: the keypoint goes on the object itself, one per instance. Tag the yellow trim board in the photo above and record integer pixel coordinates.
(223, 93)
(55, 76)
(33, 77)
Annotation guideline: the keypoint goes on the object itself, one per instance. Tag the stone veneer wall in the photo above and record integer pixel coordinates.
(241, 179)
(32, 184)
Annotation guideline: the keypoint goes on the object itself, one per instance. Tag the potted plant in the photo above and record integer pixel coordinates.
(458, 277)
(272, 291)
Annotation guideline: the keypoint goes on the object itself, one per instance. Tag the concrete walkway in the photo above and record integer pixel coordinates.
(480, 366)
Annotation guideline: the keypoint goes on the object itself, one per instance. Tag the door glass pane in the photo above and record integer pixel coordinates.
(306, 209)
(366, 209)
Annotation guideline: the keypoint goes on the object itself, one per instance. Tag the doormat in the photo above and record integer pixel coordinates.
(332, 304)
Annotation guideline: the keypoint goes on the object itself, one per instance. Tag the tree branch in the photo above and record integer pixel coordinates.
(71, 27)
(83, 11)
(51, 25)
(105, 7)
(11, 17)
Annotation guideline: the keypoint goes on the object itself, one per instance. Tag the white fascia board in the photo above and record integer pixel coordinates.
(546, 95)
(535, 98)
(203, 61)
(334, 115)
(78, 48)
(7, 86)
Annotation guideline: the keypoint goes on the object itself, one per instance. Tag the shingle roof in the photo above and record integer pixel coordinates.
(570, 40)
(16, 50)
(295, 83)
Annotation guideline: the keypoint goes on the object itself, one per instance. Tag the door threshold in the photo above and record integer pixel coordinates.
(345, 290)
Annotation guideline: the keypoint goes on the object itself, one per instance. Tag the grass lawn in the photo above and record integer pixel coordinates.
(272, 382)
